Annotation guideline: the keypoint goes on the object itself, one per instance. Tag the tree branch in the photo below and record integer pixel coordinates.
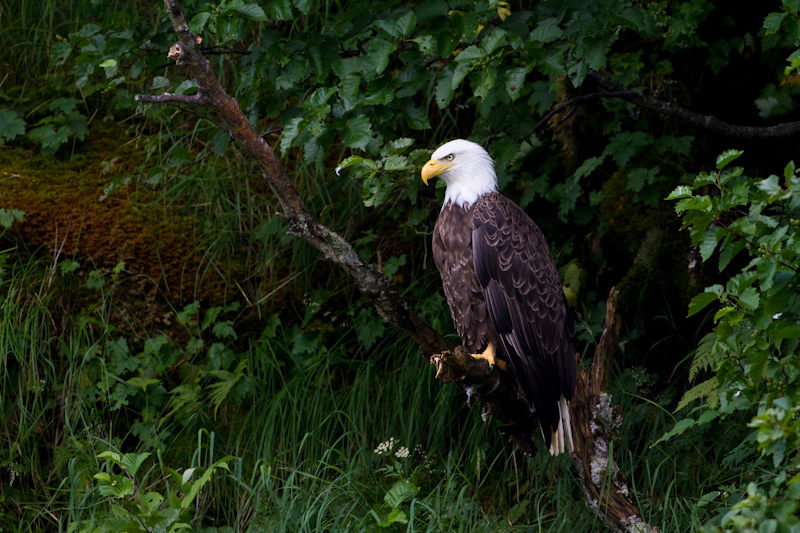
(169, 98)
(388, 302)
(497, 390)
(594, 420)
(787, 129)
(575, 101)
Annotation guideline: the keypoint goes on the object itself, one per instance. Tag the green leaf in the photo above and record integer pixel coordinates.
(279, 9)
(349, 162)
(253, 12)
(400, 492)
(727, 253)
(224, 330)
(406, 23)
(68, 267)
(188, 313)
(369, 327)
(485, 82)
(546, 33)
(677, 429)
(772, 23)
(700, 301)
(114, 457)
(142, 383)
(391, 266)
(695, 203)
(415, 117)
(11, 126)
(220, 142)
(396, 516)
(113, 485)
(515, 79)
(639, 177)
(727, 156)
(709, 243)
(132, 461)
(493, 39)
(108, 63)
(9, 216)
(595, 52)
(587, 167)
(59, 52)
(770, 185)
(378, 52)
(159, 82)
(789, 171)
(682, 191)
(749, 298)
(783, 330)
(444, 88)
(357, 132)
(708, 497)
(290, 132)
(199, 21)
(626, 145)
(395, 163)
(205, 478)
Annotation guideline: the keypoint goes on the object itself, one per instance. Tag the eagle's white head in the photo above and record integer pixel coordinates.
(466, 168)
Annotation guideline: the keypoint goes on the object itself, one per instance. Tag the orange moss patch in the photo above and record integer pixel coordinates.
(64, 214)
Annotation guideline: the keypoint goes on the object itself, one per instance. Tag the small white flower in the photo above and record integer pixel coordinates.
(402, 453)
(385, 447)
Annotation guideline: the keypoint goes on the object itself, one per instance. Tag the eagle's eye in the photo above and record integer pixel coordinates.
(449, 157)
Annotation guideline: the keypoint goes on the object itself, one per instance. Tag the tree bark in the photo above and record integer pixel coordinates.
(591, 408)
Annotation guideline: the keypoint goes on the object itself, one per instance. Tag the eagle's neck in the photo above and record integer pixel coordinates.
(464, 188)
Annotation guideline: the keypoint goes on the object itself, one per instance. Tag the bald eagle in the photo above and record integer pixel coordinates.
(502, 286)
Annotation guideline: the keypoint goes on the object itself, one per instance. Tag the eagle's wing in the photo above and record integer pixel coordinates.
(526, 303)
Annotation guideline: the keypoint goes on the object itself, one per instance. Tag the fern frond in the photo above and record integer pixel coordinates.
(708, 389)
(705, 357)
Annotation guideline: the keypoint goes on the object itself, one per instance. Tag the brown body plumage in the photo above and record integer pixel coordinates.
(502, 287)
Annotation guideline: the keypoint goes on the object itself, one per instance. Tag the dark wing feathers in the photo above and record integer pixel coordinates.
(525, 302)
(452, 253)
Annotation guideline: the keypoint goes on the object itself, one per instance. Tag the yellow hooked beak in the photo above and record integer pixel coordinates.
(433, 168)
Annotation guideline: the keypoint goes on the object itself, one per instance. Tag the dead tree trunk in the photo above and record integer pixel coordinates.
(591, 407)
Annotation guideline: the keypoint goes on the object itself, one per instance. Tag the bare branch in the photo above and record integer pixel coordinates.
(575, 101)
(170, 98)
(787, 129)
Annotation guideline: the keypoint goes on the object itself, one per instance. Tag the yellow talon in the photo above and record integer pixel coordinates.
(489, 354)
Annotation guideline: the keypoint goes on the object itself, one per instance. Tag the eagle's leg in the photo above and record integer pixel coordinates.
(490, 355)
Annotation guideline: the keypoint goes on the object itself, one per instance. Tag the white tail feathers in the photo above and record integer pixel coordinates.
(561, 438)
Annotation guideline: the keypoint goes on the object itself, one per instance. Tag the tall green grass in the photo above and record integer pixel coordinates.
(28, 30)
(303, 436)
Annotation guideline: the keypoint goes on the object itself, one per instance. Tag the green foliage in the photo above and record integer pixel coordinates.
(751, 226)
(133, 510)
(281, 364)
(9, 216)
(11, 126)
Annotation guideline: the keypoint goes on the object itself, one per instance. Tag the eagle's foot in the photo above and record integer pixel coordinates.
(489, 355)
